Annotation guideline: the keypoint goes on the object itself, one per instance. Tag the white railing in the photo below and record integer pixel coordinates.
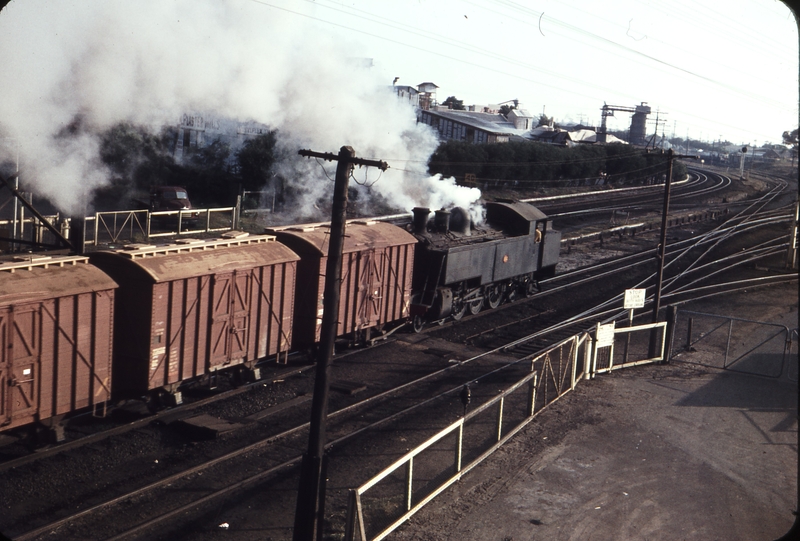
(383, 503)
(126, 226)
(603, 355)
(29, 231)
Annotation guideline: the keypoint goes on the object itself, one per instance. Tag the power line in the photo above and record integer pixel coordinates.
(505, 59)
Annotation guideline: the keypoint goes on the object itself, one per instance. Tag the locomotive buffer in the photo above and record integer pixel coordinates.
(310, 510)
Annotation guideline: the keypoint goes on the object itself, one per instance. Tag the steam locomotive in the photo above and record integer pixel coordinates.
(143, 319)
(461, 267)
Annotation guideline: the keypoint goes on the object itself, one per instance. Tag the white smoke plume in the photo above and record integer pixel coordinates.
(72, 69)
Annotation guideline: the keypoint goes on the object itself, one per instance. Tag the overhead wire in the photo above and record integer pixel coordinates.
(453, 43)
(378, 19)
(688, 73)
(717, 60)
(636, 52)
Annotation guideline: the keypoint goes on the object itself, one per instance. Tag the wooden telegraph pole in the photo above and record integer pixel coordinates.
(309, 513)
(662, 247)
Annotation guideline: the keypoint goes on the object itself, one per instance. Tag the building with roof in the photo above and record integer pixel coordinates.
(407, 93)
(427, 95)
(477, 127)
(561, 137)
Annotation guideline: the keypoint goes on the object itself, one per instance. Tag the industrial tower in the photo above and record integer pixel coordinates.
(638, 133)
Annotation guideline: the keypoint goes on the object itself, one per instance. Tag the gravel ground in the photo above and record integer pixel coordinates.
(675, 451)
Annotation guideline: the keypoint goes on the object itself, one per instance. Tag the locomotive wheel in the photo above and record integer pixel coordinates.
(475, 306)
(417, 323)
(460, 310)
(530, 288)
(494, 296)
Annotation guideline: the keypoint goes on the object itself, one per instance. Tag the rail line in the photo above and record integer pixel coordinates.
(681, 285)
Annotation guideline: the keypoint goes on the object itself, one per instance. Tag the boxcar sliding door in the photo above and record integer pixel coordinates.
(230, 314)
(370, 288)
(23, 356)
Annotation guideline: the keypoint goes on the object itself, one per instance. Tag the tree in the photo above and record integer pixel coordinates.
(207, 175)
(255, 160)
(454, 103)
(136, 159)
(544, 120)
(790, 138)
(505, 109)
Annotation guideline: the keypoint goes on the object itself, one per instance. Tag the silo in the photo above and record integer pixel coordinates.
(639, 125)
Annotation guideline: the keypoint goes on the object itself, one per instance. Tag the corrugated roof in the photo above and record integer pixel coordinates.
(358, 236)
(164, 266)
(489, 122)
(38, 282)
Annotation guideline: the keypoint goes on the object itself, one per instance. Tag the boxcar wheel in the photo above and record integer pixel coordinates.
(417, 323)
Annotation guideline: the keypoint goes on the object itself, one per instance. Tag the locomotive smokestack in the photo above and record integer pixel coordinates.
(442, 221)
(460, 221)
(421, 220)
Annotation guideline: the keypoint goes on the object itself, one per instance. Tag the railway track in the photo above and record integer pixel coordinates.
(695, 266)
(268, 461)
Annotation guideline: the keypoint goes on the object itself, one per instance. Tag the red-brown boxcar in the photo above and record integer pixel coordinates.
(191, 308)
(376, 277)
(56, 323)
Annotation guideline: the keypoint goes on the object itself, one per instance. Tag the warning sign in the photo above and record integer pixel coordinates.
(605, 335)
(634, 298)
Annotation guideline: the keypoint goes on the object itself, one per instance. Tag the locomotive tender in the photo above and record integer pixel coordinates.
(143, 319)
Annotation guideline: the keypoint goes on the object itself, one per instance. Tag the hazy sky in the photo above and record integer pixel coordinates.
(715, 67)
(73, 68)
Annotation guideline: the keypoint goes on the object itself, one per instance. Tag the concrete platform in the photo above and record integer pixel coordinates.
(664, 452)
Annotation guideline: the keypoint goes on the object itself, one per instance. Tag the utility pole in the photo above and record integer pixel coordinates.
(309, 513)
(662, 246)
(791, 256)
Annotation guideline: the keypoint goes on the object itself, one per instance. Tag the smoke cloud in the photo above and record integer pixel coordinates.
(71, 70)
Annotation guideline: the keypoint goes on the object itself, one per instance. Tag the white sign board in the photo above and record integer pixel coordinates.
(634, 298)
(605, 335)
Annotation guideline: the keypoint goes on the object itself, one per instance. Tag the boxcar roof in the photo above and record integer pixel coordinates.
(198, 258)
(35, 279)
(359, 236)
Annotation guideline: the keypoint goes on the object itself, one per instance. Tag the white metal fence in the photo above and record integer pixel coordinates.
(382, 504)
(141, 225)
(28, 231)
(636, 349)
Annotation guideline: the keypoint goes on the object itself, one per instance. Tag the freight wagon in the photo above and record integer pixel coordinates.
(189, 309)
(141, 320)
(378, 259)
(56, 324)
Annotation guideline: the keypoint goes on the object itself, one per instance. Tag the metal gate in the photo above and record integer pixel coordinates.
(735, 344)
(383, 503)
